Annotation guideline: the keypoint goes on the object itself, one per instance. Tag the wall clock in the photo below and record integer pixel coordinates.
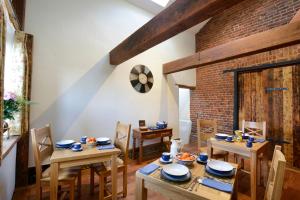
(141, 78)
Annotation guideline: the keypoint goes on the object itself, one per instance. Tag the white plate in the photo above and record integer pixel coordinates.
(221, 134)
(176, 169)
(103, 139)
(65, 142)
(220, 166)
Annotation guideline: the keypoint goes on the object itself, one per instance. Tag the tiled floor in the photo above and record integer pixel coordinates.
(291, 186)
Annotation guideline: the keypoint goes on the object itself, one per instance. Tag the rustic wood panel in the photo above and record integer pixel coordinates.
(296, 116)
(261, 42)
(178, 17)
(279, 108)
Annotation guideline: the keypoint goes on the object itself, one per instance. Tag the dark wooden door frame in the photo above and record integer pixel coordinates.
(238, 71)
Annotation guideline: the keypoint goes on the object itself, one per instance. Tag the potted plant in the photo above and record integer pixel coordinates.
(12, 104)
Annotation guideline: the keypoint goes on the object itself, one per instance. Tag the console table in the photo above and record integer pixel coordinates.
(142, 135)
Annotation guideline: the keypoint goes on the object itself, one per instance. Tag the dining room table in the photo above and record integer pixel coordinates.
(188, 190)
(240, 148)
(65, 158)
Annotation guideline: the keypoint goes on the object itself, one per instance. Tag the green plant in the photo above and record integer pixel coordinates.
(12, 105)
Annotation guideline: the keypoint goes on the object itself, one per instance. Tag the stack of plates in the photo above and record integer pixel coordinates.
(221, 136)
(220, 168)
(176, 172)
(64, 144)
(103, 140)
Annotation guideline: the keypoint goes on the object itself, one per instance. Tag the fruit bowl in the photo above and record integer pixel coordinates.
(185, 158)
(91, 142)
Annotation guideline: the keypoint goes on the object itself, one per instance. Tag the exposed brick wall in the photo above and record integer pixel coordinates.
(213, 97)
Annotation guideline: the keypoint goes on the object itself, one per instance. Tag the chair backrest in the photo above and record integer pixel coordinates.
(276, 175)
(257, 129)
(42, 148)
(122, 139)
(205, 130)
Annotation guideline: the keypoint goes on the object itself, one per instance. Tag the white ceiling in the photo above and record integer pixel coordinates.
(154, 8)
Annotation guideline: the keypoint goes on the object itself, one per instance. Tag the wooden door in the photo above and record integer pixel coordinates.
(273, 95)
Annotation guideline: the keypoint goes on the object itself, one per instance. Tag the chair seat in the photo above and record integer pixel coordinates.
(64, 174)
(106, 166)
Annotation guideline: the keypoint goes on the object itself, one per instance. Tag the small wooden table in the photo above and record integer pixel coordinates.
(149, 134)
(67, 158)
(174, 191)
(241, 149)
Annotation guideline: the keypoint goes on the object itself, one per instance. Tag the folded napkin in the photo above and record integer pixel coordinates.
(261, 140)
(148, 169)
(103, 147)
(225, 187)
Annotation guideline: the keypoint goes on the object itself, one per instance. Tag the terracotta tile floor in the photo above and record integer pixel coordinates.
(291, 186)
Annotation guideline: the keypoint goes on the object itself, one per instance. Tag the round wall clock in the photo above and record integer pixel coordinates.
(141, 78)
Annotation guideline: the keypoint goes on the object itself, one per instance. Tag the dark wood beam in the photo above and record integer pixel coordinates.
(296, 17)
(178, 17)
(186, 86)
(265, 41)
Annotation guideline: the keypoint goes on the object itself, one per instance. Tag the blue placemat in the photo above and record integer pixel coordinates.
(103, 147)
(225, 187)
(148, 169)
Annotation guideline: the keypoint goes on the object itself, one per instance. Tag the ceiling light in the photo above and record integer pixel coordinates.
(162, 3)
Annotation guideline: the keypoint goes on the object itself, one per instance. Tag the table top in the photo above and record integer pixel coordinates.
(199, 190)
(61, 155)
(240, 145)
(149, 130)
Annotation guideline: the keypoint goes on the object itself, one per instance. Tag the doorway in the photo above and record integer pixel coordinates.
(185, 123)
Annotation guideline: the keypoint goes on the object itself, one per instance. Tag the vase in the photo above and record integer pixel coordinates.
(5, 130)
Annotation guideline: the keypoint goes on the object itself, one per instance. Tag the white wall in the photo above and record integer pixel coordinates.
(7, 175)
(75, 88)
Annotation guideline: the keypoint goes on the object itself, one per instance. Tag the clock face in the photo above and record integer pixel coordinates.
(141, 78)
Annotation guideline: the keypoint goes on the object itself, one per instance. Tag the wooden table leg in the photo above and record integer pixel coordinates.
(114, 179)
(141, 151)
(133, 148)
(53, 180)
(209, 149)
(253, 174)
(140, 190)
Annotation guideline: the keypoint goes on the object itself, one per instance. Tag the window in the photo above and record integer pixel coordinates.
(162, 3)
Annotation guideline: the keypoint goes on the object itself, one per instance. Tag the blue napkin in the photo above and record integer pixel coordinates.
(103, 147)
(225, 187)
(261, 140)
(148, 169)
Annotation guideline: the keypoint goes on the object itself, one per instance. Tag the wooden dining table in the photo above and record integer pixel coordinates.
(241, 149)
(65, 158)
(190, 190)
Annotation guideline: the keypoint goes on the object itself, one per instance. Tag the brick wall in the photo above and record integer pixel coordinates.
(213, 97)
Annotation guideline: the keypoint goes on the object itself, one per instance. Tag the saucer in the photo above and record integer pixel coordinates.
(166, 162)
(74, 149)
(201, 162)
(228, 140)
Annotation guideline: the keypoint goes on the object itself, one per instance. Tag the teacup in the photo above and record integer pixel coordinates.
(203, 157)
(76, 145)
(251, 138)
(83, 139)
(166, 156)
(229, 138)
(249, 144)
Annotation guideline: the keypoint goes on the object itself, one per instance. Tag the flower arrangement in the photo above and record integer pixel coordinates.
(12, 104)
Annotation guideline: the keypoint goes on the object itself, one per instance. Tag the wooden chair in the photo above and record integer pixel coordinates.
(43, 148)
(205, 130)
(276, 175)
(257, 129)
(121, 141)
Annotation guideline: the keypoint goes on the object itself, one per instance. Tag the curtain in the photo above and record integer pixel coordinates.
(23, 44)
(2, 56)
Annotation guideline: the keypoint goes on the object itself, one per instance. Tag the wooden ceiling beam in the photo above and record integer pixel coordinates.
(265, 41)
(178, 17)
